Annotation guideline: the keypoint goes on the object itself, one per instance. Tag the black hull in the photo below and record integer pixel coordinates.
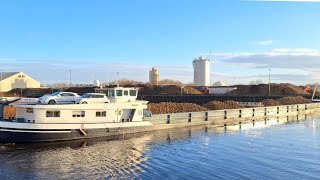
(35, 137)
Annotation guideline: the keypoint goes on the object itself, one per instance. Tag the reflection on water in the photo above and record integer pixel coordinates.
(274, 148)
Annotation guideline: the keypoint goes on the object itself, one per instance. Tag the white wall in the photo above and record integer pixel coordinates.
(220, 90)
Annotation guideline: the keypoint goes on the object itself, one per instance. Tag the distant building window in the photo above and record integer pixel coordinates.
(119, 92)
(53, 114)
(101, 114)
(78, 113)
(29, 110)
(126, 93)
(133, 92)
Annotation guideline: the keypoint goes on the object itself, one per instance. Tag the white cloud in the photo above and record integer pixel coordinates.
(276, 58)
(265, 43)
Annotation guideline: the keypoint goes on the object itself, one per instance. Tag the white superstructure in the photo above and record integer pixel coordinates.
(201, 67)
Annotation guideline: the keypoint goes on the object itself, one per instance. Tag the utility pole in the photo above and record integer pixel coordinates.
(269, 83)
(70, 77)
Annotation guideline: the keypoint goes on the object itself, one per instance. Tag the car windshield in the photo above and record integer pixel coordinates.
(54, 94)
(86, 95)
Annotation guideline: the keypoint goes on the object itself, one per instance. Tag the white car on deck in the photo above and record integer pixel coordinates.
(59, 98)
(93, 98)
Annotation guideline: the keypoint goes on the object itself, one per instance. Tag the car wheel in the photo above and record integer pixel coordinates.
(84, 102)
(52, 102)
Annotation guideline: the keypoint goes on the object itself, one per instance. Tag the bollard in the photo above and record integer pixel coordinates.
(168, 119)
(206, 116)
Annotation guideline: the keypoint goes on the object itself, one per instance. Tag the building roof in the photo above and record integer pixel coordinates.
(5, 75)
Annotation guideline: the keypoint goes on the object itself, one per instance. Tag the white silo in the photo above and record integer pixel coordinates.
(201, 67)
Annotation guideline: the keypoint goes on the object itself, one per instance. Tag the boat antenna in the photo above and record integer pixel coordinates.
(118, 84)
(314, 92)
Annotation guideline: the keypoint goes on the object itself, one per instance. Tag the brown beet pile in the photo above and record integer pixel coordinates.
(270, 102)
(293, 100)
(168, 107)
(217, 105)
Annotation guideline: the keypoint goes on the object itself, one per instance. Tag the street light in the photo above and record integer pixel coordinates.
(70, 77)
(269, 83)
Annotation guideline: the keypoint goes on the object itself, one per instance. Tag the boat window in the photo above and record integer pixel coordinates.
(110, 93)
(78, 113)
(29, 110)
(133, 92)
(126, 93)
(119, 92)
(53, 114)
(101, 114)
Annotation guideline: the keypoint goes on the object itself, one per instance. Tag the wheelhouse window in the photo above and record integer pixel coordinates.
(126, 93)
(119, 92)
(101, 114)
(133, 92)
(52, 113)
(110, 93)
(78, 113)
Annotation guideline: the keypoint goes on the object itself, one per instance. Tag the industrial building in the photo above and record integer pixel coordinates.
(154, 76)
(201, 67)
(12, 80)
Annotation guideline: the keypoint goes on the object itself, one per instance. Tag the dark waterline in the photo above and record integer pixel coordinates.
(273, 149)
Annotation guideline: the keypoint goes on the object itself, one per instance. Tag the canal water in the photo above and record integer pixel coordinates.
(271, 149)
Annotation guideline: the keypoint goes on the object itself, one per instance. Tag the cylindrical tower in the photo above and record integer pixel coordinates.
(154, 76)
(201, 67)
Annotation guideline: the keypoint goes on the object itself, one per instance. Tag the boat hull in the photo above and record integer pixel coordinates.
(36, 137)
(24, 133)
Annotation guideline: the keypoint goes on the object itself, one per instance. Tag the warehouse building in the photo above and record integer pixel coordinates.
(13, 80)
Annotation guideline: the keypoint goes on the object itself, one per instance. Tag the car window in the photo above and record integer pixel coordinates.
(86, 96)
(70, 94)
(63, 94)
(54, 94)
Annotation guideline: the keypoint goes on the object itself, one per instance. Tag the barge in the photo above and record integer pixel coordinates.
(125, 114)
(44, 123)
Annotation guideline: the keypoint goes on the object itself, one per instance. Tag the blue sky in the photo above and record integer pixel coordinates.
(47, 38)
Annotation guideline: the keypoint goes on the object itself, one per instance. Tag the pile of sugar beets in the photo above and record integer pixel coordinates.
(169, 107)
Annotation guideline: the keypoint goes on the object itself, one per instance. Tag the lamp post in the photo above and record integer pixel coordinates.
(70, 78)
(0, 81)
(269, 83)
